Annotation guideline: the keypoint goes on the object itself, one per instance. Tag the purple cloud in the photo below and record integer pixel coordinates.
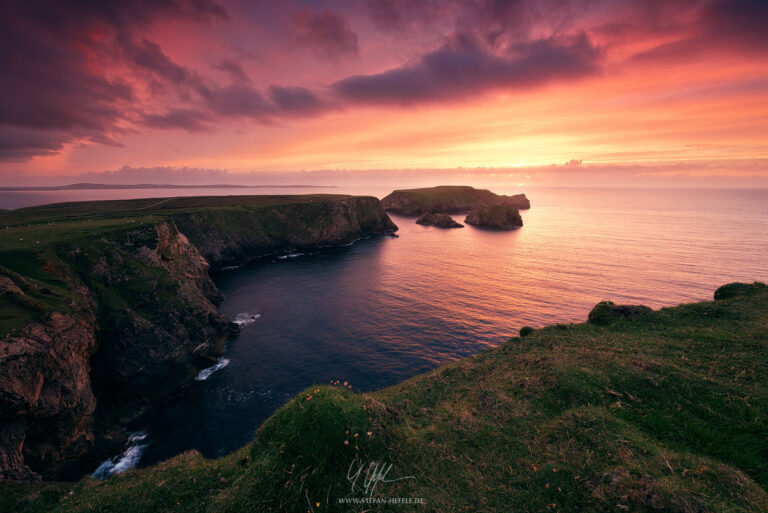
(328, 33)
(297, 100)
(235, 71)
(465, 67)
(191, 120)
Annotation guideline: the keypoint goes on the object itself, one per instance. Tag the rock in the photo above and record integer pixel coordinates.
(497, 217)
(438, 220)
(607, 312)
(451, 199)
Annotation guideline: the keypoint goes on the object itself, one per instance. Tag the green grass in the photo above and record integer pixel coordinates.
(662, 411)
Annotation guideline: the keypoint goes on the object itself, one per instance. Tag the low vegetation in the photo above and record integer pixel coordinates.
(639, 411)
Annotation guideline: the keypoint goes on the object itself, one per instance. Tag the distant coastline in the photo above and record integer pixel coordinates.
(97, 186)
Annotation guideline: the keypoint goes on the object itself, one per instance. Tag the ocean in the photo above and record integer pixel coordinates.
(384, 309)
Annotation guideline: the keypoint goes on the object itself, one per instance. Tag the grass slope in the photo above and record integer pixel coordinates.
(650, 411)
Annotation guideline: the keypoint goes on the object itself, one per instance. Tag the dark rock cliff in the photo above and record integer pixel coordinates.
(497, 217)
(438, 220)
(140, 321)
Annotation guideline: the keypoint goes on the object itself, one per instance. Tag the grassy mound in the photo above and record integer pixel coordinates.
(663, 411)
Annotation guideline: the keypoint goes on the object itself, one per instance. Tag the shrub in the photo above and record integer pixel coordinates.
(739, 289)
(525, 331)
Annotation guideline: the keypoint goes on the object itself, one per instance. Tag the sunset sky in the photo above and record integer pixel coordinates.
(525, 92)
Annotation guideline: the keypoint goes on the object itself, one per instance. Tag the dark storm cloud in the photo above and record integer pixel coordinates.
(465, 68)
(327, 33)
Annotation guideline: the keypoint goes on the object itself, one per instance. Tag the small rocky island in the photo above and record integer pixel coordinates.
(497, 217)
(438, 220)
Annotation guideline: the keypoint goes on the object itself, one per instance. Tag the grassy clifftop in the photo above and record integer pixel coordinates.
(637, 410)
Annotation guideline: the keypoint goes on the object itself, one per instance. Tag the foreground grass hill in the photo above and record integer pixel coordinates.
(635, 410)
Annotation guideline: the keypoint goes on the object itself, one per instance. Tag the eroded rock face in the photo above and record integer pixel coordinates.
(497, 217)
(234, 237)
(438, 220)
(46, 401)
(451, 199)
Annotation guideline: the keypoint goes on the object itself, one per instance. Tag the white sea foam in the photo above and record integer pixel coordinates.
(245, 318)
(231, 267)
(206, 373)
(127, 460)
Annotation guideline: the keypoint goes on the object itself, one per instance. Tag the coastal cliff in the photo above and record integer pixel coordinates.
(448, 199)
(107, 306)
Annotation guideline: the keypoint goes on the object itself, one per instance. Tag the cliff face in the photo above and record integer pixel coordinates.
(235, 236)
(113, 317)
(447, 199)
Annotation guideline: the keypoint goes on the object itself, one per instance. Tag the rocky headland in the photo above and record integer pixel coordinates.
(448, 199)
(107, 306)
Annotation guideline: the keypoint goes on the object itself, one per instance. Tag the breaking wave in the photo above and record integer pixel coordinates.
(206, 373)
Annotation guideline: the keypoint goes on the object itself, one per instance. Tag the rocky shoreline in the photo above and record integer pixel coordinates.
(133, 312)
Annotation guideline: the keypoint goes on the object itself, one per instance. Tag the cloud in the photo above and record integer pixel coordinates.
(191, 120)
(733, 26)
(55, 60)
(400, 15)
(235, 71)
(297, 100)
(465, 67)
(328, 33)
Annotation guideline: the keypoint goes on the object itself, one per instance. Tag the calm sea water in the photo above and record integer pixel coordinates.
(385, 309)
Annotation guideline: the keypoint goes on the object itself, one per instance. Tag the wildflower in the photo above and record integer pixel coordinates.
(369, 433)
(346, 384)
(546, 485)
(346, 442)
(355, 435)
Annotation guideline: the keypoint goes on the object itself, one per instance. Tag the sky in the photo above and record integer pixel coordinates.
(520, 92)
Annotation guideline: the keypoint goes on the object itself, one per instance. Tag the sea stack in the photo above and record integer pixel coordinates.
(497, 217)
